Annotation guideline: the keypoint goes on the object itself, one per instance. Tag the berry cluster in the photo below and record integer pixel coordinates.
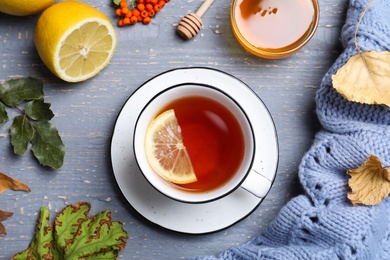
(143, 11)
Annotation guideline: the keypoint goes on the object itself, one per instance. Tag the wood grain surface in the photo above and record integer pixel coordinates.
(85, 114)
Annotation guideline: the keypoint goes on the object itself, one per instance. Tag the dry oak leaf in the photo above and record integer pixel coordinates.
(365, 78)
(7, 182)
(370, 183)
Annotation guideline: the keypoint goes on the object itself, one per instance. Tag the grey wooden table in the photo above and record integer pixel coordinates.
(85, 114)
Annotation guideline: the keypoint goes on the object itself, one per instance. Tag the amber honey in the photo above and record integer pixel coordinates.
(273, 28)
(213, 138)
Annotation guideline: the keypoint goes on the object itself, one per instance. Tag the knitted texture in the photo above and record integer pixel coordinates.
(322, 223)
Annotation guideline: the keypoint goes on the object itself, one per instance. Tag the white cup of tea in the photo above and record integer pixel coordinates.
(218, 136)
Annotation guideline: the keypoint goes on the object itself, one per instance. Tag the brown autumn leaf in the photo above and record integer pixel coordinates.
(365, 78)
(3, 215)
(370, 183)
(7, 182)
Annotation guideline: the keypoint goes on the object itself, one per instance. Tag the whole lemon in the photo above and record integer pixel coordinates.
(24, 7)
(74, 40)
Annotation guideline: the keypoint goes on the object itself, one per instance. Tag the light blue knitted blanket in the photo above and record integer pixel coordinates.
(322, 223)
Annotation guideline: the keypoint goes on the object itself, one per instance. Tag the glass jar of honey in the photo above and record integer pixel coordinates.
(274, 29)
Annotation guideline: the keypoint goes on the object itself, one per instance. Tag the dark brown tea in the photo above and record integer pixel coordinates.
(213, 138)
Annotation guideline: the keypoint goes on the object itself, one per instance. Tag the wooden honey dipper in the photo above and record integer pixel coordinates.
(191, 24)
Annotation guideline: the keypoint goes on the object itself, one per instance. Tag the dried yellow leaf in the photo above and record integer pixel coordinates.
(7, 182)
(365, 78)
(370, 183)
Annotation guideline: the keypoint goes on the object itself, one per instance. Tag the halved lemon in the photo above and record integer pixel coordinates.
(24, 7)
(165, 150)
(75, 40)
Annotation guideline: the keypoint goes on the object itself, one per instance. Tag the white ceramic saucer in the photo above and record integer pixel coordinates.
(178, 216)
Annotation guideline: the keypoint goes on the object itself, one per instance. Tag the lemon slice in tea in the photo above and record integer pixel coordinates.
(165, 150)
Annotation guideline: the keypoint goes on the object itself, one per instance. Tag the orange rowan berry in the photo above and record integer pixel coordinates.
(120, 23)
(161, 3)
(129, 14)
(152, 13)
(136, 12)
(157, 8)
(123, 3)
(133, 19)
(146, 20)
(140, 7)
(126, 20)
(118, 12)
(149, 7)
(144, 14)
(125, 10)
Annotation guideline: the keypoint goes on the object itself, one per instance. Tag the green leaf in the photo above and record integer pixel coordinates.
(21, 133)
(89, 238)
(41, 245)
(116, 2)
(15, 91)
(68, 222)
(75, 236)
(44, 235)
(3, 114)
(47, 145)
(39, 110)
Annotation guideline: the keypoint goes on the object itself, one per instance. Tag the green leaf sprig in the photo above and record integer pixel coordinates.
(32, 125)
(75, 236)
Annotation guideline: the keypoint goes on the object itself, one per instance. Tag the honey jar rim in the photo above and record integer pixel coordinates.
(278, 53)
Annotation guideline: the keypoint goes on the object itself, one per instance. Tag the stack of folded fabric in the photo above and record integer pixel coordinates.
(322, 223)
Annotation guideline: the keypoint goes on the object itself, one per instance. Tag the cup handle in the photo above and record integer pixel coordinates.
(256, 184)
